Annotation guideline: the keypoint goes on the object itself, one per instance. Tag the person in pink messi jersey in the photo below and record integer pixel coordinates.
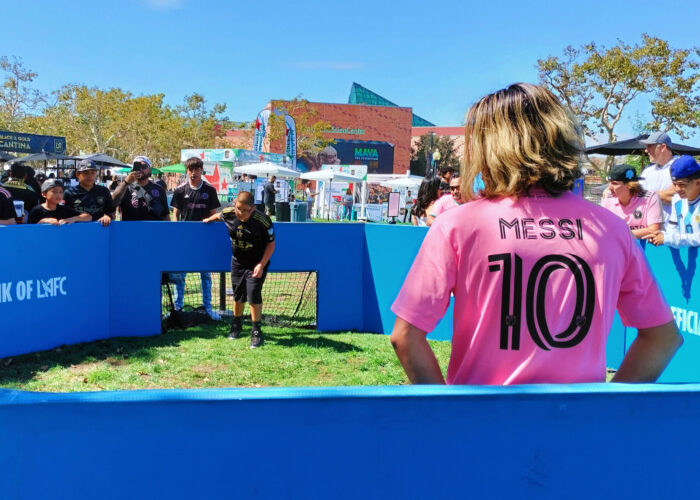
(536, 272)
(626, 198)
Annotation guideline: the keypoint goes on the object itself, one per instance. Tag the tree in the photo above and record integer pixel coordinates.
(18, 98)
(446, 147)
(309, 127)
(598, 84)
(201, 124)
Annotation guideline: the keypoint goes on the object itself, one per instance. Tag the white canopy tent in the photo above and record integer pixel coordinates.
(328, 176)
(267, 169)
(409, 182)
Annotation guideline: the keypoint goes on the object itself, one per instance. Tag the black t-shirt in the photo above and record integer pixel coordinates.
(144, 203)
(249, 238)
(195, 204)
(97, 202)
(21, 192)
(269, 192)
(61, 212)
(7, 207)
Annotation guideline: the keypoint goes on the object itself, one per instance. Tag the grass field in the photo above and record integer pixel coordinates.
(202, 356)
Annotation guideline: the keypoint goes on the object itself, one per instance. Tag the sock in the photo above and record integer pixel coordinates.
(237, 321)
(256, 325)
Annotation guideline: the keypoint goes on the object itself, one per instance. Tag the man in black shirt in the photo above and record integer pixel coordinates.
(51, 211)
(138, 198)
(7, 208)
(89, 197)
(19, 190)
(269, 193)
(194, 201)
(252, 243)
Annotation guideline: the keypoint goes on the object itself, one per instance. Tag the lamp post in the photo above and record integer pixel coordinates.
(430, 162)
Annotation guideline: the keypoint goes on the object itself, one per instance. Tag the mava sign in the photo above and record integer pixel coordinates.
(31, 143)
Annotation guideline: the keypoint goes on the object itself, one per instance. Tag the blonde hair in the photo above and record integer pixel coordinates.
(519, 137)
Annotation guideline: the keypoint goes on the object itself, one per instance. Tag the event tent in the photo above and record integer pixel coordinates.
(330, 176)
(177, 168)
(266, 169)
(633, 146)
(104, 160)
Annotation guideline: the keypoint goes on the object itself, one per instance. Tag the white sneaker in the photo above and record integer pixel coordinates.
(214, 315)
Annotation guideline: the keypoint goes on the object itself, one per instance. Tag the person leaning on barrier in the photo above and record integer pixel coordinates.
(138, 198)
(88, 197)
(7, 208)
(626, 198)
(19, 189)
(51, 211)
(194, 201)
(252, 243)
(536, 272)
(683, 227)
(656, 176)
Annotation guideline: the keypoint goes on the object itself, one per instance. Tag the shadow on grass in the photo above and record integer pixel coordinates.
(116, 351)
(316, 341)
(22, 368)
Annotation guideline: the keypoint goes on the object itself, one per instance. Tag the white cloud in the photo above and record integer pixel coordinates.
(334, 65)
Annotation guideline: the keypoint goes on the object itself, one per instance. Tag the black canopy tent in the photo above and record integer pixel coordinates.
(104, 160)
(6, 156)
(634, 147)
(45, 157)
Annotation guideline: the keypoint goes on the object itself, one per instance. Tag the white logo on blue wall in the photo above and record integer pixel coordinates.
(22, 290)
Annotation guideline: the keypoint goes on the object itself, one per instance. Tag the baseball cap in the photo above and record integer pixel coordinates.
(141, 159)
(657, 138)
(51, 183)
(685, 166)
(624, 173)
(86, 165)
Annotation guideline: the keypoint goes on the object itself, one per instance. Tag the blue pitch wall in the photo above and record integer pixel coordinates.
(585, 441)
(110, 278)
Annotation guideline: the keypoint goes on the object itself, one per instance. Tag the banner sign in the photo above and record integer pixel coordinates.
(291, 131)
(260, 129)
(377, 155)
(31, 143)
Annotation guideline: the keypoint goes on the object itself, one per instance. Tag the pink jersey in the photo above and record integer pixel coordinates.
(443, 204)
(641, 210)
(536, 282)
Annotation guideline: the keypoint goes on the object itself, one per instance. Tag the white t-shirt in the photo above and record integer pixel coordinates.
(657, 178)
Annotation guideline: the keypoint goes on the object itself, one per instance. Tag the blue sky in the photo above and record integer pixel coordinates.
(438, 57)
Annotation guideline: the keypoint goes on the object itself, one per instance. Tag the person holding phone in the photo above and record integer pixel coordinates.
(138, 198)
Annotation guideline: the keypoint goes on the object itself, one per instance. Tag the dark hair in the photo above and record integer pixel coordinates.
(427, 194)
(193, 163)
(18, 170)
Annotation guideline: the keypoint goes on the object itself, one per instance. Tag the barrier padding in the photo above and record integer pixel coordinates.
(564, 441)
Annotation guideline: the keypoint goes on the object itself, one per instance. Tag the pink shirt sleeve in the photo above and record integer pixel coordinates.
(442, 204)
(640, 303)
(655, 214)
(425, 294)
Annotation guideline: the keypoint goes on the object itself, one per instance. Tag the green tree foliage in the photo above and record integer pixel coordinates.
(309, 127)
(446, 147)
(116, 122)
(18, 99)
(599, 83)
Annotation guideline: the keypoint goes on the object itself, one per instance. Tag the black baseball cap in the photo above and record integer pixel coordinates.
(624, 173)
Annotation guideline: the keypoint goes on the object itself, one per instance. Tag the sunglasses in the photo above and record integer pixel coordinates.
(454, 188)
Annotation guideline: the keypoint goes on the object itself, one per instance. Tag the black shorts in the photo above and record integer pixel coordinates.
(245, 287)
